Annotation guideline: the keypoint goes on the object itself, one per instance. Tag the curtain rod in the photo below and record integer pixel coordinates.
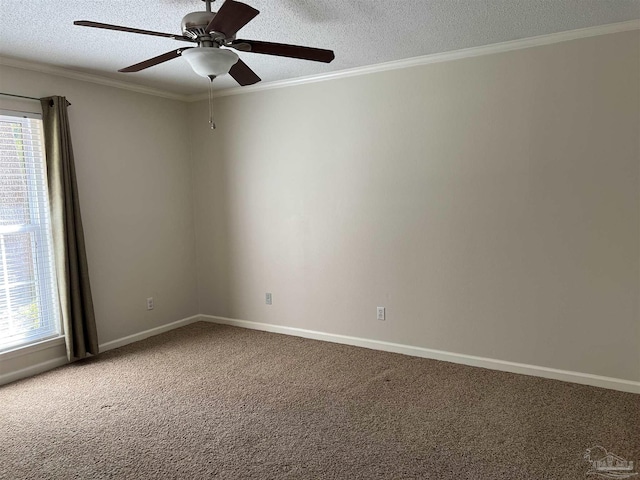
(28, 98)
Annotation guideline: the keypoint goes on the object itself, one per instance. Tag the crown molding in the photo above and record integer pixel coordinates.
(434, 58)
(352, 72)
(87, 77)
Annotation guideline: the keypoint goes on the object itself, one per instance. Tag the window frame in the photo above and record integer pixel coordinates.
(45, 283)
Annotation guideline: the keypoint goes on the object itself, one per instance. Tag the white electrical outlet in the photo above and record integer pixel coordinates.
(267, 298)
(150, 303)
(381, 315)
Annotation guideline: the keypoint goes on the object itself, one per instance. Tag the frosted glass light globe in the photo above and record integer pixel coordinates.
(210, 61)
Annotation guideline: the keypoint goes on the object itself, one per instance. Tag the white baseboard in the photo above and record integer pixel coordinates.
(491, 363)
(120, 342)
(32, 370)
(471, 360)
(136, 337)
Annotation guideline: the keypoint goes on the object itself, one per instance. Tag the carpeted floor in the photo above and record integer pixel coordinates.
(208, 401)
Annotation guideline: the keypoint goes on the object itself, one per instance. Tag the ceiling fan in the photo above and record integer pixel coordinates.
(215, 33)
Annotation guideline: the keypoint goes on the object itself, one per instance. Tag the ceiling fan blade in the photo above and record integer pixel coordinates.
(154, 61)
(231, 17)
(284, 50)
(106, 26)
(243, 74)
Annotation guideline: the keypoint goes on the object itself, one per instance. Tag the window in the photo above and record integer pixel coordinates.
(29, 309)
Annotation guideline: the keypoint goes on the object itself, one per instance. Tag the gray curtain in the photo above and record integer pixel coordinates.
(72, 271)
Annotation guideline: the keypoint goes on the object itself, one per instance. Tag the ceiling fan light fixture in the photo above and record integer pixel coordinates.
(210, 61)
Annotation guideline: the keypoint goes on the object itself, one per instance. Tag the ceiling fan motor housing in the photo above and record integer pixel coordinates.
(194, 26)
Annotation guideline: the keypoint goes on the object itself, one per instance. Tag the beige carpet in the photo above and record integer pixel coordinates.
(208, 401)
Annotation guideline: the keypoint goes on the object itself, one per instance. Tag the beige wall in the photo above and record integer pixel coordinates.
(131, 153)
(490, 204)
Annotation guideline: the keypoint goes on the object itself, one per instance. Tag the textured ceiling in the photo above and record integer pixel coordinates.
(361, 32)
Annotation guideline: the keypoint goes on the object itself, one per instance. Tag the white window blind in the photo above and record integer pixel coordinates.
(29, 310)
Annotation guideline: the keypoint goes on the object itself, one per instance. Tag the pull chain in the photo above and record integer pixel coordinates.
(212, 123)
